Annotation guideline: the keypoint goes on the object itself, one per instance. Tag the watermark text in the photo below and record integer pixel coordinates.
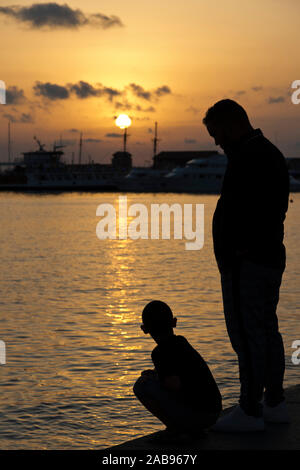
(2, 352)
(296, 94)
(296, 354)
(2, 92)
(145, 224)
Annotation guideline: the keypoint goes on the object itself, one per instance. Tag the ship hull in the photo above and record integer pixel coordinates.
(58, 188)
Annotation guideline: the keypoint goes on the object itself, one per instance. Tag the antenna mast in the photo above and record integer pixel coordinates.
(9, 144)
(155, 141)
(41, 149)
(80, 148)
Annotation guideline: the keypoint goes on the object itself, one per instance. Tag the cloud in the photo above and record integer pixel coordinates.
(193, 110)
(144, 118)
(126, 106)
(10, 117)
(14, 95)
(113, 135)
(123, 106)
(73, 130)
(238, 93)
(257, 88)
(83, 89)
(163, 90)
(73, 141)
(140, 92)
(104, 21)
(51, 91)
(66, 142)
(277, 99)
(111, 92)
(190, 141)
(150, 109)
(54, 16)
(91, 140)
(24, 118)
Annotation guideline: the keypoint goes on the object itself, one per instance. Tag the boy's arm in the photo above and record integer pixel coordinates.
(149, 373)
(165, 366)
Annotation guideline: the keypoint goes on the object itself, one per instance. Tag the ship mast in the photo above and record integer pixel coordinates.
(80, 148)
(41, 149)
(155, 141)
(9, 143)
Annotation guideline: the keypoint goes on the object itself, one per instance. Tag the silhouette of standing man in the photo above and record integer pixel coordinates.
(248, 244)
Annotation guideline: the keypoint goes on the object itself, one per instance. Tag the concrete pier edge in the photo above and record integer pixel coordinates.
(275, 436)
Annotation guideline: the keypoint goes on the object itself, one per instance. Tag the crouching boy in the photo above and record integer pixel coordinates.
(181, 391)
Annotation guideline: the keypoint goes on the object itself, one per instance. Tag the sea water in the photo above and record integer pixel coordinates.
(71, 312)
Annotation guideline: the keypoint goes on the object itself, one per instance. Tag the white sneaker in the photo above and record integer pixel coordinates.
(239, 421)
(276, 414)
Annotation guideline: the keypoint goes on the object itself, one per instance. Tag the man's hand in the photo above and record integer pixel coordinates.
(172, 382)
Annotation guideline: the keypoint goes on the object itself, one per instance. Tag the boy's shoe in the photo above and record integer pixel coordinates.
(276, 414)
(239, 421)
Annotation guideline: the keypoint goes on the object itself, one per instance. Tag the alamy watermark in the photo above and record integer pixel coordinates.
(296, 94)
(2, 92)
(145, 221)
(2, 352)
(296, 354)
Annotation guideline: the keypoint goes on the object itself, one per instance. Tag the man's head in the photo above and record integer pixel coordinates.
(227, 122)
(158, 320)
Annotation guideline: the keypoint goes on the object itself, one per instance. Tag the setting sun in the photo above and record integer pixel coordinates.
(123, 121)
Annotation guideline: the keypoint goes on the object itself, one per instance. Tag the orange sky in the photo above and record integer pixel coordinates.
(156, 61)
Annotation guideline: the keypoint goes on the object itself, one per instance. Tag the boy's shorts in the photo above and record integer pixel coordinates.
(179, 414)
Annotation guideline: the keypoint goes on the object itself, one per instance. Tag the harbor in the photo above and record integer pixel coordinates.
(197, 172)
(150, 232)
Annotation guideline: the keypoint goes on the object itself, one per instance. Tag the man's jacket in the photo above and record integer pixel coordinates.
(248, 220)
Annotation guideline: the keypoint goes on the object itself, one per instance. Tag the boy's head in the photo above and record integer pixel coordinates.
(158, 319)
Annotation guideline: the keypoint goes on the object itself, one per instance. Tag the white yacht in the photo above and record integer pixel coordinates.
(143, 179)
(294, 184)
(200, 175)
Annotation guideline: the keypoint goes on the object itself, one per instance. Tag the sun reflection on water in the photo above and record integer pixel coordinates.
(72, 314)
